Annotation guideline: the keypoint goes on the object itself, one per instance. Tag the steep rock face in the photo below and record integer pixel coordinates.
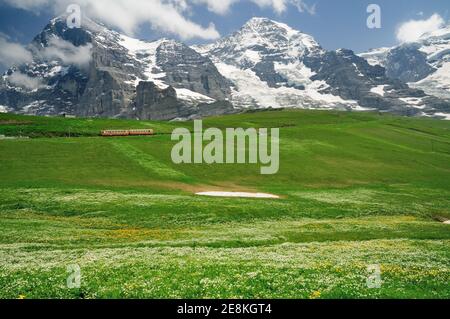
(74, 72)
(408, 64)
(158, 104)
(352, 78)
(46, 96)
(214, 109)
(347, 75)
(155, 103)
(104, 96)
(185, 68)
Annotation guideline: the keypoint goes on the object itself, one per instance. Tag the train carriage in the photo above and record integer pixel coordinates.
(140, 132)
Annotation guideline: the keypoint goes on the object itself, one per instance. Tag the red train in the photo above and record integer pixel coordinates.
(142, 132)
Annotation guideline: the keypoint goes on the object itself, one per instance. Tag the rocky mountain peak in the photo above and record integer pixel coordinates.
(263, 25)
(87, 23)
(266, 27)
(58, 28)
(275, 35)
(260, 43)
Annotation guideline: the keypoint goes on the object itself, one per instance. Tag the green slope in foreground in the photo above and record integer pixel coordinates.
(358, 190)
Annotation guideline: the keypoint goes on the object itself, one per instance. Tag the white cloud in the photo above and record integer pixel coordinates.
(280, 6)
(129, 15)
(13, 53)
(304, 7)
(25, 81)
(165, 15)
(412, 30)
(217, 6)
(27, 4)
(66, 52)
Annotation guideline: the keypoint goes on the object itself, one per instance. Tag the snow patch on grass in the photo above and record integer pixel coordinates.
(238, 194)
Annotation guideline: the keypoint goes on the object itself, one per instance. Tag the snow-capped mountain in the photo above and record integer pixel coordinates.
(261, 39)
(264, 61)
(271, 64)
(424, 64)
(95, 71)
(120, 77)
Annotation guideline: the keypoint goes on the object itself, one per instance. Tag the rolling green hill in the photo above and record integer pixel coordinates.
(357, 189)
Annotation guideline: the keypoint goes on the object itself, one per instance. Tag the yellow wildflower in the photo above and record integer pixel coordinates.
(315, 295)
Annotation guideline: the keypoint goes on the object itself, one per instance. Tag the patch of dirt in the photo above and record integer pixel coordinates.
(442, 219)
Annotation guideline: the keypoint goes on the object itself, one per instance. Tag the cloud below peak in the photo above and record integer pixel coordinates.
(67, 53)
(24, 81)
(13, 53)
(412, 30)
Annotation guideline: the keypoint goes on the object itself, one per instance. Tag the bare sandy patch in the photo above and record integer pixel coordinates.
(442, 220)
(238, 194)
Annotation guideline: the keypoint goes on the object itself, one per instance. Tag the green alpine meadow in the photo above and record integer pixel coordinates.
(363, 210)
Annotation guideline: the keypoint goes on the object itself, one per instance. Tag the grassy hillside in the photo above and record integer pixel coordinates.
(357, 189)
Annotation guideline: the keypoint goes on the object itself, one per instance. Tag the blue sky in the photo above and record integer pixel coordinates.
(335, 24)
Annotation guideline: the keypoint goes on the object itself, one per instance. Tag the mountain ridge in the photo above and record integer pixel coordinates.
(425, 63)
(264, 64)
